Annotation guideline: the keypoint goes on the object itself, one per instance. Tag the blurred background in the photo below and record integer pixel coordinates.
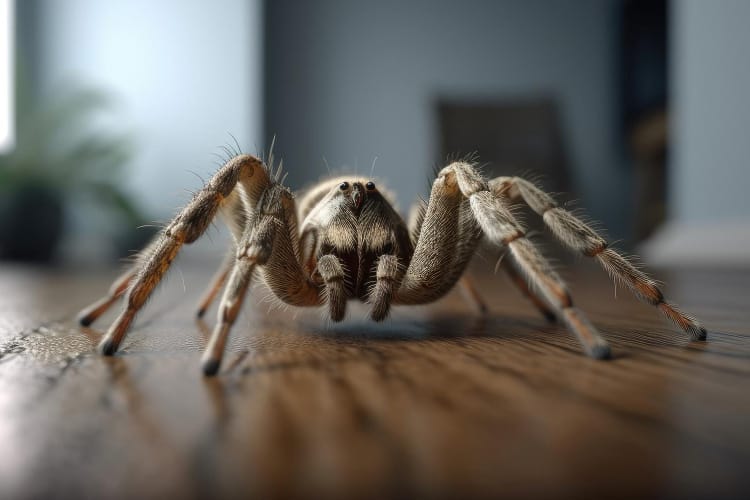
(112, 113)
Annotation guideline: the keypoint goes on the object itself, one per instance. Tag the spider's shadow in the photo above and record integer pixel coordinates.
(423, 328)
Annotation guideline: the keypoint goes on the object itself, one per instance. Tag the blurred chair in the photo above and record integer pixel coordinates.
(513, 137)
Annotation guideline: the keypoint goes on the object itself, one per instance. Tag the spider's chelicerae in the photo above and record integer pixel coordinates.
(344, 240)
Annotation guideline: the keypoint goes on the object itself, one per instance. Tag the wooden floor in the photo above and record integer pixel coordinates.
(435, 402)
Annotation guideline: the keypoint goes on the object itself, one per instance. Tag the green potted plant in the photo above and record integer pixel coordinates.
(59, 155)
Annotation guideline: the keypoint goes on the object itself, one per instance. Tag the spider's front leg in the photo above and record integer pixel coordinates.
(580, 237)
(187, 227)
(502, 228)
(460, 202)
(269, 241)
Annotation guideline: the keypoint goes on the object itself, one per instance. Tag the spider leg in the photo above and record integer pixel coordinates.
(254, 249)
(118, 288)
(187, 227)
(500, 227)
(91, 313)
(469, 291)
(215, 285)
(269, 243)
(229, 309)
(579, 236)
(472, 295)
(445, 236)
(234, 212)
(522, 285)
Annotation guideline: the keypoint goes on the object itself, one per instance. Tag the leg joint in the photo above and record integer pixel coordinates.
(513, 237)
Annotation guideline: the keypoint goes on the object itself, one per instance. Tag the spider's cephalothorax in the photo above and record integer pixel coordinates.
(355, 223)
(344, 240)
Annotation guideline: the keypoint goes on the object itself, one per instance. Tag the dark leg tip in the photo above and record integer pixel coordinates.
(337, 316)
(108, 347)
(700, 334)
(85, 320)
(601, 351)
(378, 314)
(211, 367)
(199, 314)
(550, 317)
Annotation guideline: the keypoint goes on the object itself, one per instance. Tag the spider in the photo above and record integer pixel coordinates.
(352, 244)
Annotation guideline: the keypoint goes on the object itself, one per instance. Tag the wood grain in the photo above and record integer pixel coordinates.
(435, 402)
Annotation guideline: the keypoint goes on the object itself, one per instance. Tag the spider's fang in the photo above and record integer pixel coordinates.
(357, 197)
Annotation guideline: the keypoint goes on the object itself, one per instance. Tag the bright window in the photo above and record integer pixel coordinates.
(7, 119)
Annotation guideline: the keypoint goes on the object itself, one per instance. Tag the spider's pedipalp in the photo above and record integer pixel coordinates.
(332, 272)
(388, 278)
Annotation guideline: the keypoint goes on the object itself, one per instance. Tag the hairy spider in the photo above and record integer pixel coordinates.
(352, 244)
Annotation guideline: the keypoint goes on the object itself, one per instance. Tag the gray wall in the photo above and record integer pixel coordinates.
(185, 74)
(354, 80)
(709, 211)
(711, 162)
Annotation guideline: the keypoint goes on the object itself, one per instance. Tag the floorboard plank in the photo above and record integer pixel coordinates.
(436, 401)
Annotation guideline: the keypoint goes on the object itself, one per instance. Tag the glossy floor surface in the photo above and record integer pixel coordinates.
(435, 402)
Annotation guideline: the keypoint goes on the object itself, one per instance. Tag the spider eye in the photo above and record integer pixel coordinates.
(370, 186)
(344, 186)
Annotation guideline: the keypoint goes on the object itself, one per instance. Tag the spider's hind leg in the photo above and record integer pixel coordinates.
(530, 294)
(92, 312)
(217, 281)
(472, 295)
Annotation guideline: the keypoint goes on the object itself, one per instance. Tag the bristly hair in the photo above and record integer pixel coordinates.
(275, 169)
(238, 150)
(372, 168)
(230, 150)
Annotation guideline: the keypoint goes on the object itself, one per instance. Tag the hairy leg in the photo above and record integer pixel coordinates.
(469, 235)
(445, 237)
(472, 295)
(501, 228)
(579, 236)
(215, 285)
(188, 226)
(255, 248)
(229, 309)
(118, 288)
(91, 313)
(522, 285)
(269, 241)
